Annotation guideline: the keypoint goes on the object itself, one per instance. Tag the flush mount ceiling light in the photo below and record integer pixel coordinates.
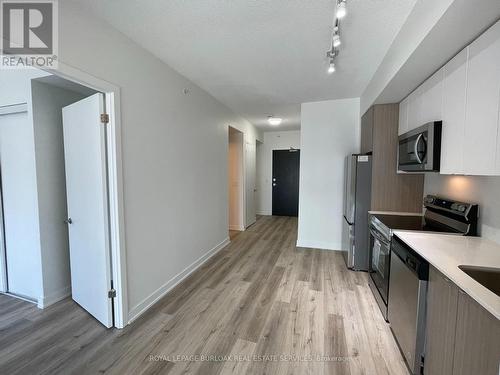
(274, 121)
(341, 9)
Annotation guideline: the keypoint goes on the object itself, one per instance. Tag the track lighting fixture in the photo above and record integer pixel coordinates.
(333, 52)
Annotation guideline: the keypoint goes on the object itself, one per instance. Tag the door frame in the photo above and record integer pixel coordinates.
(242, 179)
(290, 149)
(115, 185)
(248, 141)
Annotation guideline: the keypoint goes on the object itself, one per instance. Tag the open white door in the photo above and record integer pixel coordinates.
(251, 169)
(87, 194)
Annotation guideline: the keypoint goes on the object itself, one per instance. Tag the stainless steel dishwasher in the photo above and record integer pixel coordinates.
(407, 303)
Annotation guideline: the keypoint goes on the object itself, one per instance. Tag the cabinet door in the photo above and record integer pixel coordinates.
(497, 169)
(415, 109)
(477, 340)
(483, 91)
(367, 131)
(442, 300)
(432, 98)
(403, 117)
(454, 99)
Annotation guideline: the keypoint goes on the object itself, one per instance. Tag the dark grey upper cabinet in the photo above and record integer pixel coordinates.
(391, 191)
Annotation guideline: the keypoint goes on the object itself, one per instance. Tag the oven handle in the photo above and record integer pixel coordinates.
(420, 161)
(380, 238)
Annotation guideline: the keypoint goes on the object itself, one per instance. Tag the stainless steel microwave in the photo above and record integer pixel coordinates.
(420, 149)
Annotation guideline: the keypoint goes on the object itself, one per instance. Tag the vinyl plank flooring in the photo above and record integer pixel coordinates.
(260, 306)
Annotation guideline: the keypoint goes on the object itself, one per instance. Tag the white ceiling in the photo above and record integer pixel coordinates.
(262, 57)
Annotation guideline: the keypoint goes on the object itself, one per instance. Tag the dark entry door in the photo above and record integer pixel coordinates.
(286, 182)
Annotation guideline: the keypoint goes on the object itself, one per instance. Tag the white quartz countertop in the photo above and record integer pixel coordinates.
(447, 252)
(395, 213)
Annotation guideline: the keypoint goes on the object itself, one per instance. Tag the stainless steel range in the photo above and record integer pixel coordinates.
(399, 276)
(441, 215)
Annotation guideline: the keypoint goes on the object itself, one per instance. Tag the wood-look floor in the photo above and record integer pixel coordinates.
(260, 306)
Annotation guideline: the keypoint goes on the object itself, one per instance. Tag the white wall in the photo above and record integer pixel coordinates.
(174, 155)
(235, 180)
(47, 102)
(484, 191)
(272, 141)
(330, 130)
(420, 21)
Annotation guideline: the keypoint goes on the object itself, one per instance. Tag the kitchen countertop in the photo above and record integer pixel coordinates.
(395, 213)
(446, 252)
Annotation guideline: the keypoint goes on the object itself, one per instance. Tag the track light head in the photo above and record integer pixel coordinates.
(331, 67)
(341, 9)
(336, 41)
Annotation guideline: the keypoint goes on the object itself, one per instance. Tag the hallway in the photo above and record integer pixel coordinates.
(260, 306)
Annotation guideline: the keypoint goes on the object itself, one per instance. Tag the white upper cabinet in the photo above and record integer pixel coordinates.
(453, 114)
(465, 95)
(415, 109)
(432, 98)
(403, 116)
(483, 97)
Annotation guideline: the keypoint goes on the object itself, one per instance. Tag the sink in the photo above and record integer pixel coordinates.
(487, 277)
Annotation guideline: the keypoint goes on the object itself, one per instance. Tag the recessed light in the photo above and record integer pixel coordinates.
(274, 121)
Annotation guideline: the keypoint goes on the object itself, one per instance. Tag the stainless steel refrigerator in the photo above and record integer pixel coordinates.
(357, 203)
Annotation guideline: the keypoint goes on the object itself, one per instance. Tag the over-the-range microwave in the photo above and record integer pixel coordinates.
(420, 149)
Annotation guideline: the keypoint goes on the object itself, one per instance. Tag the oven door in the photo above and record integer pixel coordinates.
(413, 152)
(380, 251)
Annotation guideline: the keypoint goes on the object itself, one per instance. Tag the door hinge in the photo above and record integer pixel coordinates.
(104, 118)
(111, 293)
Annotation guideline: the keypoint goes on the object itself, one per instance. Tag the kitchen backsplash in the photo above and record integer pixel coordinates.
(484, 191)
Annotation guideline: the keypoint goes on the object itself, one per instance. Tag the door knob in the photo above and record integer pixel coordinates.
(68, 221)
(274, 184)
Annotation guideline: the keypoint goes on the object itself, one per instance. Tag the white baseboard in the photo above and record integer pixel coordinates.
(52, 298)
(236, 227)
(319, 245)
(149, 301)
(264, 213)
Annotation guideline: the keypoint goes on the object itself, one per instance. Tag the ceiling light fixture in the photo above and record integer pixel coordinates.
(274, 121)
(341, 9)
(336, 38)
(334, 50)
(331, 67)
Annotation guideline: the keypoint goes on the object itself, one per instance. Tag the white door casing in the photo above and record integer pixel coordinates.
(87, 194)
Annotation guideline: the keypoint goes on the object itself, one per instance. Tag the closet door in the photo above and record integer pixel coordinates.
(20, 206)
